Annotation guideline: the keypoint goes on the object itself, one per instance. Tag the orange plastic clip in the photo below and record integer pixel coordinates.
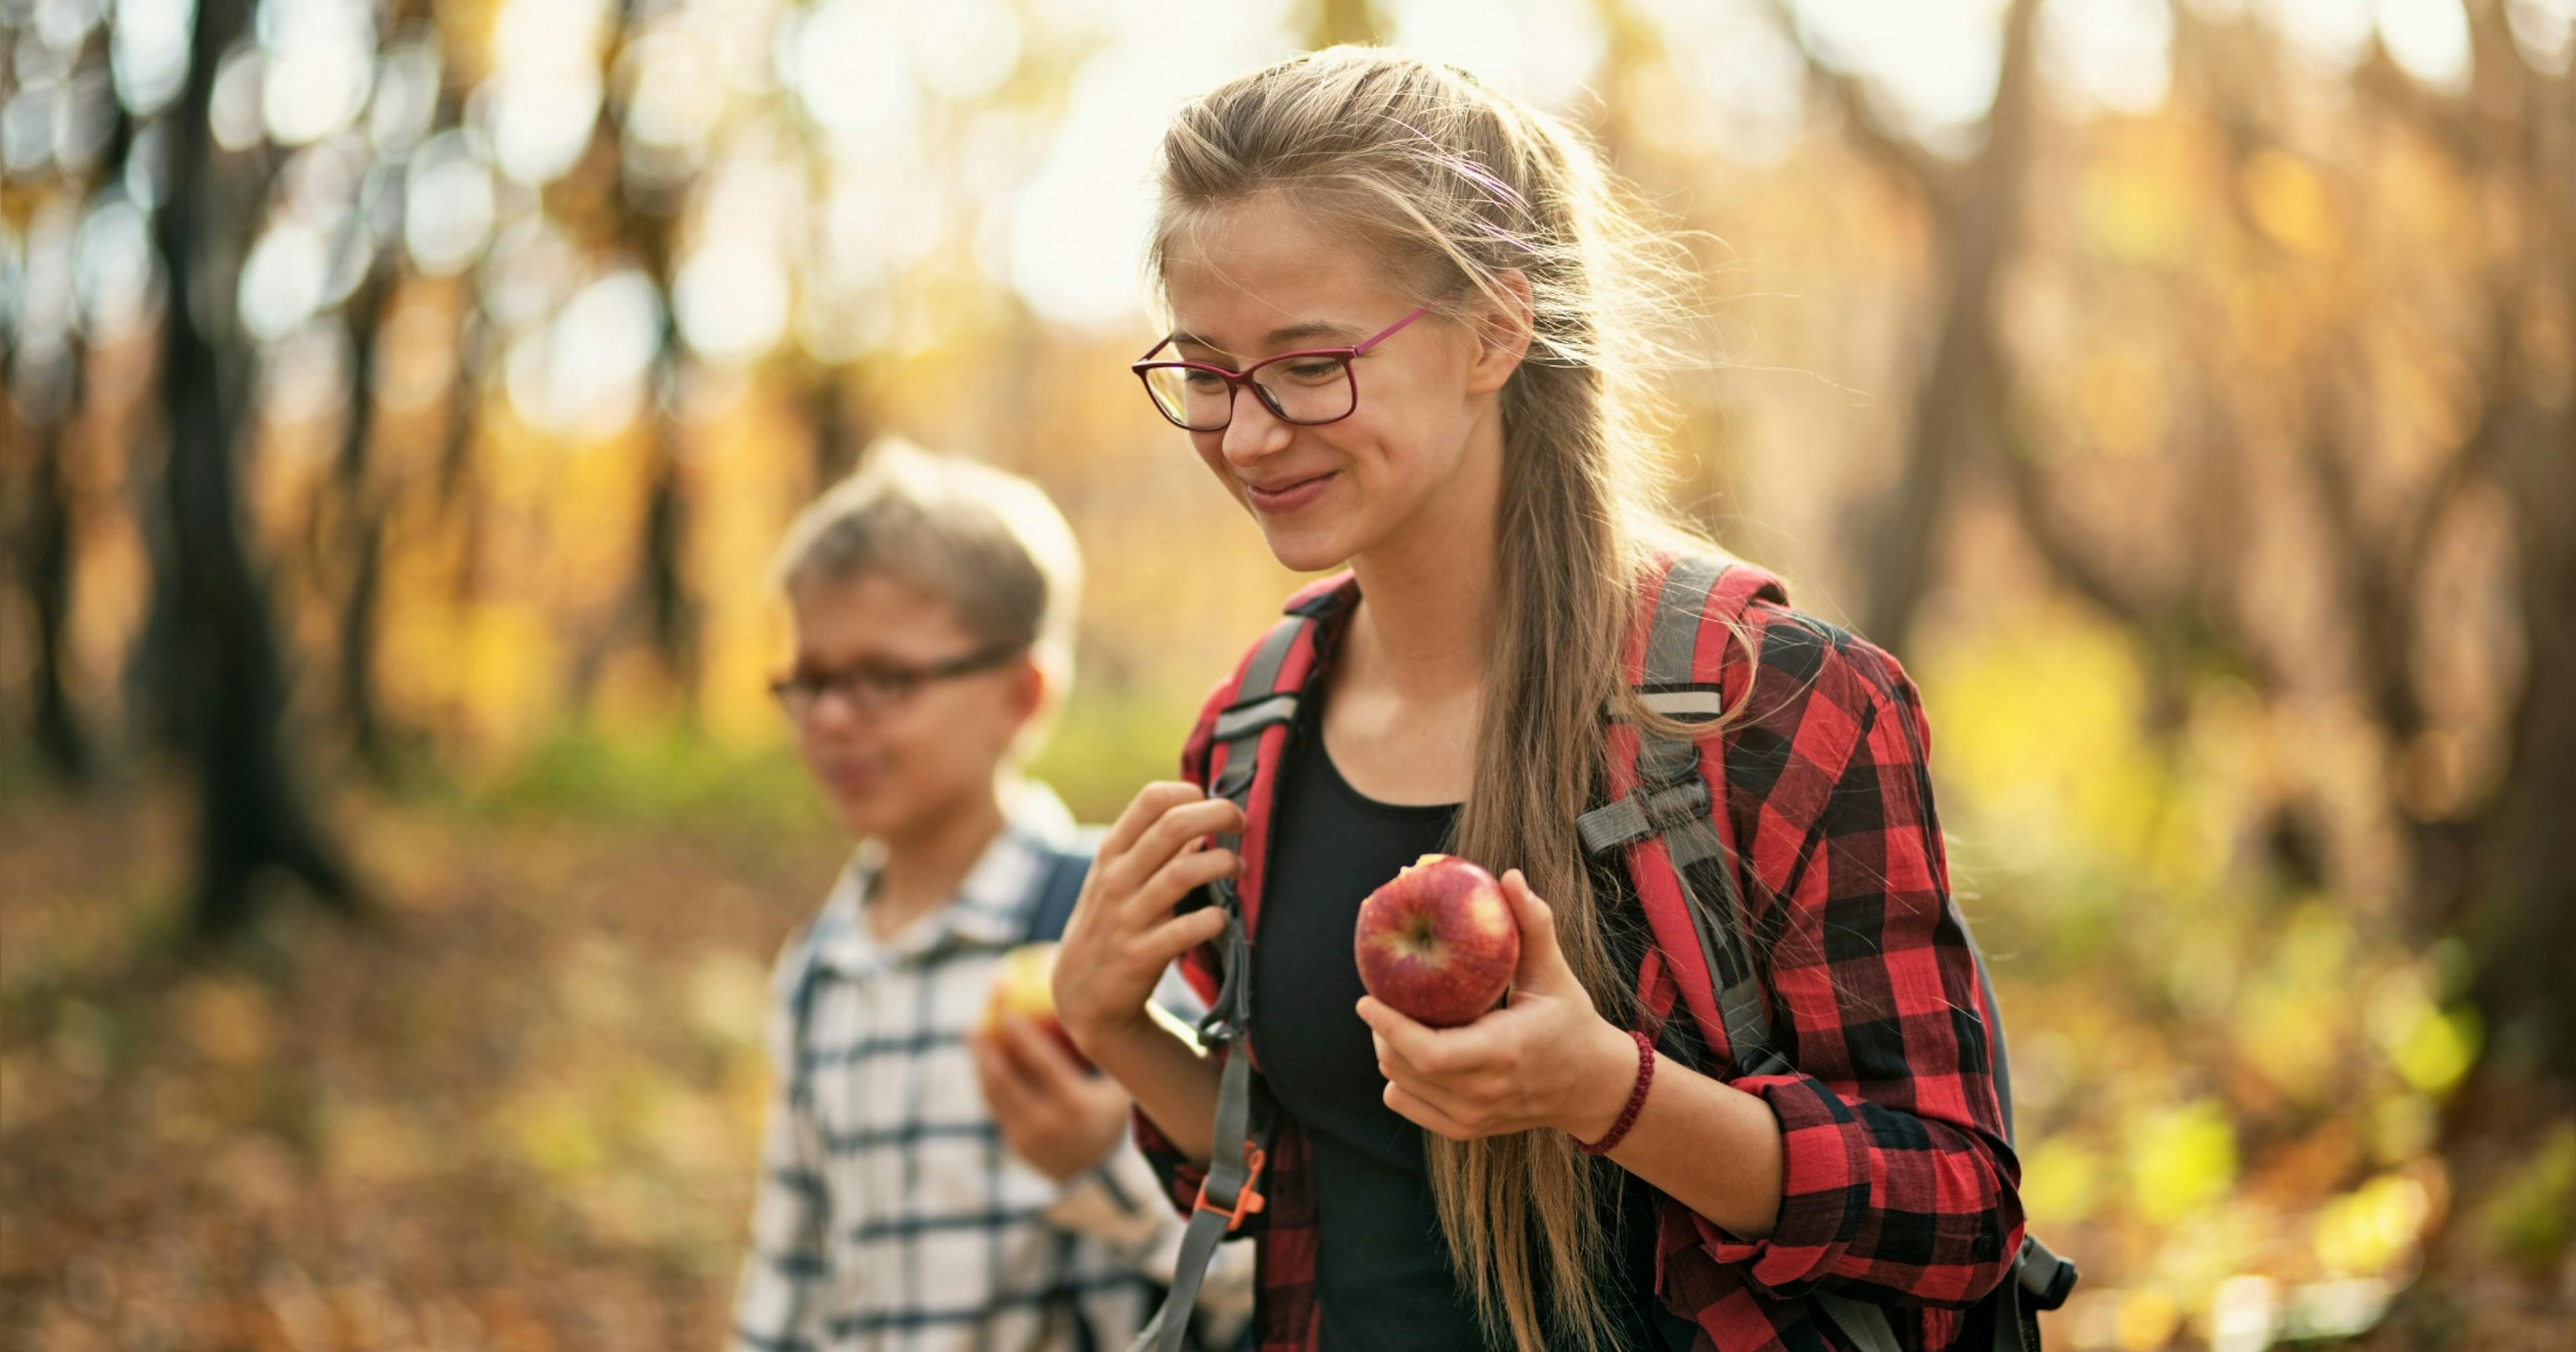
(1247, 1201)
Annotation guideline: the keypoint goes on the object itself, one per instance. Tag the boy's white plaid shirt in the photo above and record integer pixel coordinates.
(891, 1217)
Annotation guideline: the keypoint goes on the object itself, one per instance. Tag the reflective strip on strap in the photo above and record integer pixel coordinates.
(1673, 646)
(1260, 685)
(1686, 706)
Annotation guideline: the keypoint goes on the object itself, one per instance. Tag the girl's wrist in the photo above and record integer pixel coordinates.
(1095, 1034)
(1608, 1078)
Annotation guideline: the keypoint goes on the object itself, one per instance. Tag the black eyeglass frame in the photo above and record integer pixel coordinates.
(873, 687)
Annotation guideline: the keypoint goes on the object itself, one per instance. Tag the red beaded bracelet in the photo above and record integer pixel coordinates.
(1636, 1099)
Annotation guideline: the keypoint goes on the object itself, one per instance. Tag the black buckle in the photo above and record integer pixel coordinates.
(2045, 1278)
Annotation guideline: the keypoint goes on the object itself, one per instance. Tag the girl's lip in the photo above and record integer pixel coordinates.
(1290, 498)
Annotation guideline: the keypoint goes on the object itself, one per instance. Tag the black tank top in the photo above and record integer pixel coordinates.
(1382, 1271)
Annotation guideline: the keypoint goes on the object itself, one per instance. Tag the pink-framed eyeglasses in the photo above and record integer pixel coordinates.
(1307, 388)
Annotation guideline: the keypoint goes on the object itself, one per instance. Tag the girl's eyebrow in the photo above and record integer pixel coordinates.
(1278, 337)
(1312, 328)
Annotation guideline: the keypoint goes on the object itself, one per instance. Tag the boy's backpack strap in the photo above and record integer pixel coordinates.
(1061, 888)
(805, 970)
(1230, 1193)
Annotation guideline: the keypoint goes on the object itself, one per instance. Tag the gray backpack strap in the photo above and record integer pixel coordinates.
(1229, 1195)
(1672, 799)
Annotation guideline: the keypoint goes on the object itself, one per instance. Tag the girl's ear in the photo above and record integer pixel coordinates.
(1502, 328)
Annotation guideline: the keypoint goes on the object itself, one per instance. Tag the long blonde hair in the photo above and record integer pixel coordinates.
(1456, 185)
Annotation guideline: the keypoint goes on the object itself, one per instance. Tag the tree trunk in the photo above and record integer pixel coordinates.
(362, 518)
(1958, 405)
(48, 567)
(228, 675)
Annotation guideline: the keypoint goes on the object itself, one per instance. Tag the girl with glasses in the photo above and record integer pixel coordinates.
(1408, 326)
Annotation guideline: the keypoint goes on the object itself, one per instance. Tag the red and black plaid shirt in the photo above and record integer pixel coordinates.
(1899, 1186)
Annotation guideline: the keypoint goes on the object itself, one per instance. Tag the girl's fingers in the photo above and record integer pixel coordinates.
(1432, 1051)
(1146, 808)
(1160, 840)
(1392, 1065)
(1177, 827)
(1423, 1113)
(1180, 934)
(1175, 879)
(1541, 961)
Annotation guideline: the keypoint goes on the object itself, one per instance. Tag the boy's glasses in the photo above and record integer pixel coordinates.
(873, 687)
(1306, 388)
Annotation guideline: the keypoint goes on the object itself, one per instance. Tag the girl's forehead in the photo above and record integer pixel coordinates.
(1246, 269)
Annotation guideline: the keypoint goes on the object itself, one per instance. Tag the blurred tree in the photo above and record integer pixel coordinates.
(662, 603)
(227, 678)
(1975, 210)
(2480, 861)
(1337, 21)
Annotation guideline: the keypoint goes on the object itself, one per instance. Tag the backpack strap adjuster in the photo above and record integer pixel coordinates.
(1247, 1198)
(1641, 813)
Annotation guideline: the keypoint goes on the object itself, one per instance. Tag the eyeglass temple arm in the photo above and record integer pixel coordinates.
(1389, 331)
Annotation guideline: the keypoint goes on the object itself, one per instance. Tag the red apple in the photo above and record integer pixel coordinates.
(1024, 987)
(1439, 941)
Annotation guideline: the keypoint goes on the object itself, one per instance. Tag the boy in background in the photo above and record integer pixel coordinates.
(925, 1186)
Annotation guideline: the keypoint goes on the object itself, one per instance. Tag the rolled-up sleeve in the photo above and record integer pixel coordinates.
(1898, 1183)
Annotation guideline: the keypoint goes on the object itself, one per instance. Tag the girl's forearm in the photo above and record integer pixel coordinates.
(1711, 1147)
(1172, 1081)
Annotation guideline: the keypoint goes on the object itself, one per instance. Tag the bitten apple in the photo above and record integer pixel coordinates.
(1024, 987)
(1438, 941)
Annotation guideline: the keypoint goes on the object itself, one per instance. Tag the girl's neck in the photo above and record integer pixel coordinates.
(1426, 591)
(923, 866)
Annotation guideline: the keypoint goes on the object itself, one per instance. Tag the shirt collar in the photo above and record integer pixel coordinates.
(991, 904)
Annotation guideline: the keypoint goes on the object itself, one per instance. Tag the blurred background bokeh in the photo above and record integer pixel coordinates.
(403, 396)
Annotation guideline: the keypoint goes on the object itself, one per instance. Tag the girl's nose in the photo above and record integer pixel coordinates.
(1253, 431)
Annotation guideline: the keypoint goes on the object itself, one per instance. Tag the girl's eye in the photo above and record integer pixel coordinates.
(1314, 372)
(1201, 381)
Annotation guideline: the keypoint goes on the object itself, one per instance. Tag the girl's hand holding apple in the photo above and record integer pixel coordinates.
(1547, 1059)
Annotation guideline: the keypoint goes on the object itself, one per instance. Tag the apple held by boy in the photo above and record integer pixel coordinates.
(1024, 988)
(1438, 942)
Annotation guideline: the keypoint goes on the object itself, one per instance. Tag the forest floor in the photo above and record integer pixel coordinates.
(517, 1105)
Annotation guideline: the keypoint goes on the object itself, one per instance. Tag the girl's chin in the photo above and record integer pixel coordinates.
(1305, 549)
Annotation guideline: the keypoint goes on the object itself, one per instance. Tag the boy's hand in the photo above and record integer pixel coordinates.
(1123, 933)
(1059, 1117)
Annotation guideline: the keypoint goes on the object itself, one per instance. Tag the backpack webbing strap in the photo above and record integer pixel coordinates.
(1239, 1147)
(1672, 800)
(1057, 895)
